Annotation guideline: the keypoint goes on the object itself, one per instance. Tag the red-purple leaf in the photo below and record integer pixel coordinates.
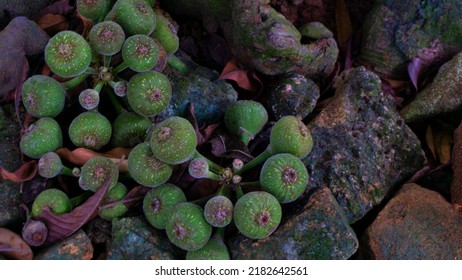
(244, 79)
(64, 225)
(61, 7)
(203, 133)
(132, 198)
(81, 155)
(414, 68)
(25, 173)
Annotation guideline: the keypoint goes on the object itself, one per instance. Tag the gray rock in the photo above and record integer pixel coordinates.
(134, 239)
(441, 96)
(362, 149)
(319, 230)
(292, 94)
(76, 247)
(416, 224)
(396, 31)
(201, 86)
(10, 159)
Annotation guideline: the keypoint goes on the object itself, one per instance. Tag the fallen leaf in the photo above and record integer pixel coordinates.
(414, 68)
(343, 22)
(230, 147)
(53, 23)
(61, 7)
(439, 141)
(132, 198)
(203, 133)
(25, 173)
(456, 184)
(13, 246)
(80, 156)
(244, 79)
(64, 225)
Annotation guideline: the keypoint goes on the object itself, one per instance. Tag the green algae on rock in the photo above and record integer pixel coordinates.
(440, 97)
(374, 149)
(317, 231)
(396, 31)
(76, 247)
(135, 239)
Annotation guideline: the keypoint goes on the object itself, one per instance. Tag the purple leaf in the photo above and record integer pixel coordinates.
(61, 7)
(414, 68)
(64, 225)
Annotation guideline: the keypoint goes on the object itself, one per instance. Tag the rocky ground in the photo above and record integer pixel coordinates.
(377, 84)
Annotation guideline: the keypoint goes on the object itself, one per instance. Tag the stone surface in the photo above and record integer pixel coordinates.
(441, 96)
(319, 230)
(200, 86)
(416, 224)
(134, 239)
(76, 247)
(396, 31)
(292, 94)
(10, 159)
(362, 149)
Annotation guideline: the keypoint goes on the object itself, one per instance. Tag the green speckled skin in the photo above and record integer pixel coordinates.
(92, 9)
(181, 143)
(73, 64)
(135, 16)
(290, 135)
(149, 93)
(215, 249)
(272, 177)
(167, 196)
(41, 137)
(50, 165)
(190, 217)
(43, 96)
(106, 38)
(115, 193)
(168, 39)
(96, 171)
(246, 114)
(90, 130)
(56, 200)
(218, 211)
(137, 61)
(248, 209)
(129, 129)
(145, 168)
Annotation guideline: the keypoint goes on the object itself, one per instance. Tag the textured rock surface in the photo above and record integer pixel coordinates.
(362, 149)
(134, 239)
(319, 230)
(292, 94)
(396, 31)
(200, 86)
(10, 159)
(76, 247)
(441, 96)
(416, 224)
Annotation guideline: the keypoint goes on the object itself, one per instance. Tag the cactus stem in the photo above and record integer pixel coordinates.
(75, 81)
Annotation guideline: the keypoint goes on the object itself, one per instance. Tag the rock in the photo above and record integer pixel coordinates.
(416, 224)
(396, 31)
(319, 230)
(362, 149)
(441, 96)
(10, 159)
(76, 247)
(134, 239)
(23, 7)
(202, 87)
(292, 94)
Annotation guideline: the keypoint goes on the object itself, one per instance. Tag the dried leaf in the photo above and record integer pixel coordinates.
(387, 89)
(224, 146)
(244, 79)
(456, 184)
(13, 246)
(205, 132)
(81, 155)
(132, 198)
(64, 225)
(343, 22)
(414, 68)
(25, 173)
(439, 140)
(53, 23)
(61, 7)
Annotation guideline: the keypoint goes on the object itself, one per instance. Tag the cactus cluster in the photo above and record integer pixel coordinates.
(140, 38)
